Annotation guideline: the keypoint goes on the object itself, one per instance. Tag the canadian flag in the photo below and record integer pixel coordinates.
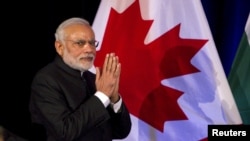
(172, 79)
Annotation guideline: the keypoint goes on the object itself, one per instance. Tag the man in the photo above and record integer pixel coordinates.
(72, 103)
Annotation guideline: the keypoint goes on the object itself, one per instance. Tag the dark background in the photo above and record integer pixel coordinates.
(27, 44)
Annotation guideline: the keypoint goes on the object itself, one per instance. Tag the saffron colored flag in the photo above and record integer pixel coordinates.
(239, 78)
(172, 79)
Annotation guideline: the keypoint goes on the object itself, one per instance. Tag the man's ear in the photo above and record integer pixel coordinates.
(59, 47)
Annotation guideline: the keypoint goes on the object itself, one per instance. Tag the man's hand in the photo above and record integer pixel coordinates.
(115, 96)
(107, 78)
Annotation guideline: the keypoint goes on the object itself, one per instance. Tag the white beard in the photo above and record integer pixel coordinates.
(76, 63)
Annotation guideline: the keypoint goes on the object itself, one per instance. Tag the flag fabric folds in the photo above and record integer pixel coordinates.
(172, 80)
(239, 78)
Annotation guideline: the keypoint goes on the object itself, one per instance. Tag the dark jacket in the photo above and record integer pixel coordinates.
(68, 112)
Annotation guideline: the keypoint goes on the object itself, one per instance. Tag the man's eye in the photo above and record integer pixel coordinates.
(80, 43)
(92, 43)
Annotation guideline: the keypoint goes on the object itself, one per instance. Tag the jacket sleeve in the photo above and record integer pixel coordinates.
(49, 107)
(121, 122)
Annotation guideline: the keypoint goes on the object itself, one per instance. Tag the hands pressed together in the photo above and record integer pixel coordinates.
(107, 78)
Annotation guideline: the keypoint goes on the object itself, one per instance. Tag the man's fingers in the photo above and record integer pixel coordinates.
(118, 70)
(110, 63)
(97, 73)
(114, 64)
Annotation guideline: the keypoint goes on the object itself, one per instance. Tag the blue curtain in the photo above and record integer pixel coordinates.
(227, 20)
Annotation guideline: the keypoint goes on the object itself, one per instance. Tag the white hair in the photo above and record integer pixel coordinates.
(59, 35)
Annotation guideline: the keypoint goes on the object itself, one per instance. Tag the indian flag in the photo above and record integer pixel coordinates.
(239, 76)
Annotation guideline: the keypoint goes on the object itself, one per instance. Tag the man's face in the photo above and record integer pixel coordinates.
(79, 48)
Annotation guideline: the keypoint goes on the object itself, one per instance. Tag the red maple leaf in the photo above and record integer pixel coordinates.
(144, 66)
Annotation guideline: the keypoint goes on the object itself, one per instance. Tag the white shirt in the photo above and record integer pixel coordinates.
(106, 101)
